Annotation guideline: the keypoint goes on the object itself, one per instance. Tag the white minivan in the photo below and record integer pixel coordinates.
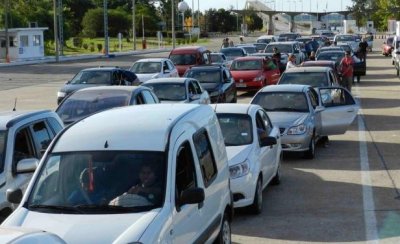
(138, 174)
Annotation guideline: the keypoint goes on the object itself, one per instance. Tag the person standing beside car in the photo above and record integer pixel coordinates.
(362, 50)
(291, 62)
(346, 67)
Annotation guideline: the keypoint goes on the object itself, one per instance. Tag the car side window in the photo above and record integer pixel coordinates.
(115, 78)
(197, 87)
(148, 98)
(23, 147)
(266, 120)
(41, 136)
(333, 97)
(192, 89)
(331, 78)
(313, 98)
(261, 127)
(54, 124)
(139, 99)
(171, 66)
(206, 158)
(185, 176)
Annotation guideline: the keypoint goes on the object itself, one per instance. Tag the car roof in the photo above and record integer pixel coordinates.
(283, 43)
(307, 69)
(207, 67)
(9, 118)
(251, 57)
(108, 88)
(234, 108)
(125, 128)
(167, 80)
(152, 60)
(285, 88)
(108, 68)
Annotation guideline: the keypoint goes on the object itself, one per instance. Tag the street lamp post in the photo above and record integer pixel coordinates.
(134, 24)
(55, 30)
(173, 23)
(7, 9)
(105, 27)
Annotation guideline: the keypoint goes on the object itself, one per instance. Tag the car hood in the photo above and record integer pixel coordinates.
(238, 154)
(245, 74)
(285, 119)
(25, 235)
(146, 77)
(169, 101)
(89, 228)
(69, 88)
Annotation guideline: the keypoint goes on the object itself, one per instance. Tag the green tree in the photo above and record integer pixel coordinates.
(93, 23)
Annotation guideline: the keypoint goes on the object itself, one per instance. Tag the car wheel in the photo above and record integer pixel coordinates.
(277, 178)
(256, 207)
(310, 153)
(224, 235)
(397, 72)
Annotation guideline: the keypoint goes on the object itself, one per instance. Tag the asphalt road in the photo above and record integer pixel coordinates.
(349, 193)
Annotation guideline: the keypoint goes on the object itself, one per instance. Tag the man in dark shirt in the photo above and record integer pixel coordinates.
(362, 50)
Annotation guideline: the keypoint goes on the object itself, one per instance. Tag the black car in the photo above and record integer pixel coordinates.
(217, 80)
(100, 76)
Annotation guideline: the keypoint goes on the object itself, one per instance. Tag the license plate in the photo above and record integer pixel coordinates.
(241, 85)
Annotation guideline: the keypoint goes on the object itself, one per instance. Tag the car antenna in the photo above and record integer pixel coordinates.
(15, 105)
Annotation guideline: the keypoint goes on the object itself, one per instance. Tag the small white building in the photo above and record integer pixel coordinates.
(24, 43)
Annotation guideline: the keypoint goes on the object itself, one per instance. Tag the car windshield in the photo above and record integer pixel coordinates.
(260, 46)
(332, 56)
(205, 76)
(389, 41)
(215, 58)
(264, 40)
(250, 50)
(282, 48)
(3, 134)
(314, 79)
(232, 53)
(146, 67)
(82, 104)
(99, 182)
(345, 38)
(168, 91)
(282, 101)
(345, 47)
(183, 59)
(246, 65)
(236, 129)
(92, 77)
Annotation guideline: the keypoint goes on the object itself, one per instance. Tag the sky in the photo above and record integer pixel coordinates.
(285, 5)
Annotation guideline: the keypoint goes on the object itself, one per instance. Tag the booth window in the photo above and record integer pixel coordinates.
(23, 41)
(36, 40)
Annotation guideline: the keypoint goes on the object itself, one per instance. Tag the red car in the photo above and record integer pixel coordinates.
(387, 46)
(253, 73)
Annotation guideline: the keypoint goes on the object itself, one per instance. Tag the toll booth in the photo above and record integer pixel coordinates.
(24, 43)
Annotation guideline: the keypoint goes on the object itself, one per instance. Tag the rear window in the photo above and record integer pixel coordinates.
(205, 76)
(282, 48)
(82, 104)
(246, 65)
(92, 77)
(314, 79)
(168, 91)
(183, 59)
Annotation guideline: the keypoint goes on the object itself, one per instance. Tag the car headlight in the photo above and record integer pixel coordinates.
(297, 130)
(259, 78)
(61, 94)
(239, 170)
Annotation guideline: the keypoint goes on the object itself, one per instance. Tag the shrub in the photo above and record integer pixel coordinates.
(99, 47)
(77, 41)
(92, 46)
(85, 46)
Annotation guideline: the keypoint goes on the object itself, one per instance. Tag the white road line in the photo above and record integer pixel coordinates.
(371, 231)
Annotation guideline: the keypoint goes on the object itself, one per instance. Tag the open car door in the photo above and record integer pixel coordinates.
(340, 110)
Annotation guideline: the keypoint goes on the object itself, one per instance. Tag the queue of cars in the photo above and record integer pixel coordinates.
(193, 160)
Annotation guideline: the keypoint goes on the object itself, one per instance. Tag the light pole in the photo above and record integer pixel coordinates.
(7, 9)
(173, 23)
(134, 24)
(55, 30)
(105, 27)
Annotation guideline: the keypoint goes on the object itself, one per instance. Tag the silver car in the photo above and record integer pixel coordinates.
(313, 76)
(178, 90)
(152, 68)
(304, 115)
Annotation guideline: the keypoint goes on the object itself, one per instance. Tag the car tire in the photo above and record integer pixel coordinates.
(224, 236)
(310, 153)
(397, 72)
(256, 207)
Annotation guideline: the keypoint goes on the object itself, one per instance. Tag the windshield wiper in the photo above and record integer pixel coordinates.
(55, 207)
(113, 208)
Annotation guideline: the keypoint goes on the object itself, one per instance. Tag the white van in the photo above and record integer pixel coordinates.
(396, 45)
(138, 174)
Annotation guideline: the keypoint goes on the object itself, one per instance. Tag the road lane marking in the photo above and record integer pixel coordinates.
(371, 231)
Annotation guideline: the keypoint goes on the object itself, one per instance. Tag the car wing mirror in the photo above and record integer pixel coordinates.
(194, 97)
(192, 196)
(14, 196)
(267, 141)
(319, 109)
(27, 165)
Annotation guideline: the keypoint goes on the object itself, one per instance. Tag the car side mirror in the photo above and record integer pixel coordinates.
(319, 109)
(193, 97)
(67, 82)
(192, 196)
(27, 165)
(14, 196)
(267, 141)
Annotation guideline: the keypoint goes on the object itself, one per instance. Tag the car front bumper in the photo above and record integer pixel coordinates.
(296, 143)
(243, 190)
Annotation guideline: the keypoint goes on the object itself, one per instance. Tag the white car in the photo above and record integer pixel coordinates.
(152, 68)
(254, 150)
(137, 174)
(178, 90)
(20, 235)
